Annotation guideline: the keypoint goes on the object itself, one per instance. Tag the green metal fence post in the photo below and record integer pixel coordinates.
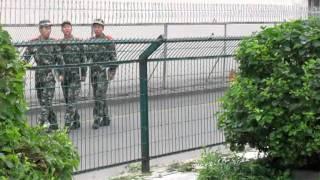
(224, 76)
(143, 73)
(165, 54)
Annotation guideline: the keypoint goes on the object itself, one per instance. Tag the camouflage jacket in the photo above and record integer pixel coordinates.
(102, 53)
(73, 54)
(44, 55)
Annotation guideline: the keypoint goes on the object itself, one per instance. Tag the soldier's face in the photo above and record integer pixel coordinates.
(98, 29)
(45, 31)
(67, 29)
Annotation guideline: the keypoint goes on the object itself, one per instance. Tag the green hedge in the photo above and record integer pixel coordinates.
(215, 166)
(26, 152)
(274, 103)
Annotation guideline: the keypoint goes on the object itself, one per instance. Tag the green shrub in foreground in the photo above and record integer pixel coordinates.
(26, 152)
(215, 166)
(274, 103)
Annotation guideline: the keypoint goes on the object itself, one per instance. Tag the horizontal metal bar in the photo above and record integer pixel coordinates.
(152, 24)
(81, 42)
(124, 41)
(125, 62)
(152, 157)
(107, 166)
(109, 63)
(187, 150)
(217, 38)
(188, 58)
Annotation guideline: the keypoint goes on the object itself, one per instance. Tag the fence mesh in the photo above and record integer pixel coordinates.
(22, 12)
(185, 79)
(186, 76)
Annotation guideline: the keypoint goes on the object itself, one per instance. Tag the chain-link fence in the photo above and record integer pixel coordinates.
(314, 11)
(175, 113)
(22, 12)
(165, 93)
(144, 19)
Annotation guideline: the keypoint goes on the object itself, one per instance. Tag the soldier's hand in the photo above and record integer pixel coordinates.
(83, 78)
(111, 74)
(61, 78)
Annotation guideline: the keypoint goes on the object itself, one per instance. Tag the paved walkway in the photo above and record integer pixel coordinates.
(174, 176)
(180, 176)
(158, 174)
(160, 170)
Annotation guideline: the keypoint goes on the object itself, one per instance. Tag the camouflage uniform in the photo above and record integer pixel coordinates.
(99, 81)
(44, 78)
(71, 84)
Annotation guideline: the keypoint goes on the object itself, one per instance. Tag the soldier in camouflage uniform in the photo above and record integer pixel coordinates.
(99, 77)
(71, 83)
(45, 55)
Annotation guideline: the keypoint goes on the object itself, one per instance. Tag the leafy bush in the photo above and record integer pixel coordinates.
(273, 105)
(182, 167)
(216, 167)
(26, 152)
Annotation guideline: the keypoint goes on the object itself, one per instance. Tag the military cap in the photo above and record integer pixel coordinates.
(98, 21)
(44, 23)
(66, 22)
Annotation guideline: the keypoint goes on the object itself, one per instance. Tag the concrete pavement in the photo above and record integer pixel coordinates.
(176, 123)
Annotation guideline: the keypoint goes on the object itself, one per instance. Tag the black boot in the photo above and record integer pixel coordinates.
(105, 121)
(75, 125)
(53, 127)
(53, 121)
(95, 124)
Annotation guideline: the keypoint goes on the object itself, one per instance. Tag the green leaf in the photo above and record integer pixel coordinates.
(316, 44)
(274, 104)
(27, 152)
(9, 164)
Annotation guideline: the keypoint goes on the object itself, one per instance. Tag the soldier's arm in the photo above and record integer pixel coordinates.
(59, 61)
(88, 49)
(83, 60)
(28, 53)
(112, 55)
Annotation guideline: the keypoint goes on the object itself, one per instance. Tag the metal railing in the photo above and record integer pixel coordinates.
(148, 119)
(23, 12)
(165, 93)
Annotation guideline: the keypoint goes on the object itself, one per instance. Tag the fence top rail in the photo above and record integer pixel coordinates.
(116, 12)
(109, 63)
(124, 41)
(154, 24)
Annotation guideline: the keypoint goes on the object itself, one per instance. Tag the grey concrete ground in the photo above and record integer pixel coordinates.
(176, 122)
(179, 119)
(159, 168)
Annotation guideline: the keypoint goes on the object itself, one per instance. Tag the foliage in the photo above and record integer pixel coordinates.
(133, 173)
(216, 167)
(182, 167)
(26, 152)
(273, 105)
(134, 167)
(129, 177)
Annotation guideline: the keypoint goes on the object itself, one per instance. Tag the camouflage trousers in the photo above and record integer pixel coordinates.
(45, 93)
(99, 84)
(71, 93)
